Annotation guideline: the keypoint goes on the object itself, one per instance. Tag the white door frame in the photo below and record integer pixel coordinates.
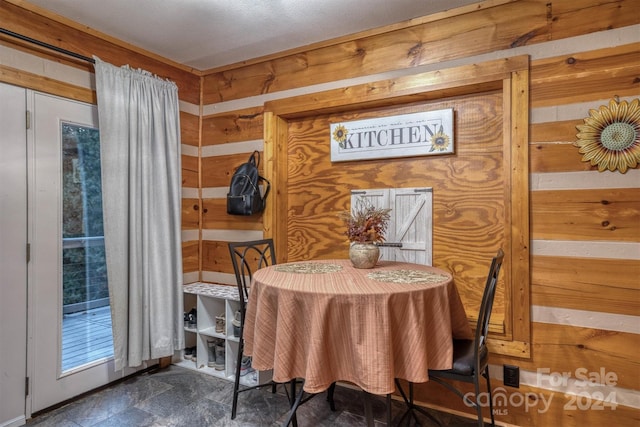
(13, 255)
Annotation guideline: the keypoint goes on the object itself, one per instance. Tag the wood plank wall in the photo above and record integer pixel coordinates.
(584, 318)
(584, 274)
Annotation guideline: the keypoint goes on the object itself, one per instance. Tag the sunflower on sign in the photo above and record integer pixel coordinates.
(440, 141)
(340, 135)
(610, 136)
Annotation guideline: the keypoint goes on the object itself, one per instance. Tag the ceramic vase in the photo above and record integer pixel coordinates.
(364, 255)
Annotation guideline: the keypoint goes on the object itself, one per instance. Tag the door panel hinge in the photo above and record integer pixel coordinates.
(26, 386)
(28, 119)
(28, 252)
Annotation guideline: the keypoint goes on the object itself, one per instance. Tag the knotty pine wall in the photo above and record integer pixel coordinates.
(585, 225)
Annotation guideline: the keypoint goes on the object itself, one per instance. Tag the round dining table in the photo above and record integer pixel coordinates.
(326, 321)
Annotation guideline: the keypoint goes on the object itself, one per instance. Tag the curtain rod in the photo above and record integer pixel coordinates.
(47, 45)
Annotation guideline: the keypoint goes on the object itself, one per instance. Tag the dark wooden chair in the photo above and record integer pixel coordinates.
(470, 357)
(248, 257)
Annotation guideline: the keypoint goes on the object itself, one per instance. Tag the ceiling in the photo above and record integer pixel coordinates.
(206, 34)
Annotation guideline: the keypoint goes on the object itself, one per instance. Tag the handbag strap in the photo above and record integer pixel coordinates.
(254, 158)
(266, 191)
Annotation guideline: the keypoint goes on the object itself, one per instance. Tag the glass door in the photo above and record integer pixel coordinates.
(70, 344)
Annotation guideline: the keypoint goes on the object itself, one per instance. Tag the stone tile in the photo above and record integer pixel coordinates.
(54, 419)
(181, 397)
(108, 402)
(202, 412)
(132, 417)
(184, 387)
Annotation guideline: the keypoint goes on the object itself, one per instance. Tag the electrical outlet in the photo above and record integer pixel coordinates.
(511, 375)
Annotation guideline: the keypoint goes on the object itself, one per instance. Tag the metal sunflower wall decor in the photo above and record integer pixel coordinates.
(610, 136)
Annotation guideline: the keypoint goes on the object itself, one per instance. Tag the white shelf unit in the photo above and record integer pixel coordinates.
(211, 300)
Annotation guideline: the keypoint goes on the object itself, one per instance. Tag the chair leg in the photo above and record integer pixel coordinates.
(368, 412)
(408, 400)
(330, 391)
(476, 385)
(412, 408)
(486, 373)
(236, 383)
(389, 410)
(294, 405)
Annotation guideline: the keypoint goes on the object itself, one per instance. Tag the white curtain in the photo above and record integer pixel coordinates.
(141, 179)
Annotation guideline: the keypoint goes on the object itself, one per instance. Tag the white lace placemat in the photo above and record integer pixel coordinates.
(308, 268)
(407, 276)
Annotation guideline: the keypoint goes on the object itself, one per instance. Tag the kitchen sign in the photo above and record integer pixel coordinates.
(417, 134)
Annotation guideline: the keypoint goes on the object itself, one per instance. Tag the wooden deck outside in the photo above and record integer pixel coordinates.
(86, 337)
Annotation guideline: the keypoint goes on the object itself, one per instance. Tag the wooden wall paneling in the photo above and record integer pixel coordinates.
(456, 35)
(585, 76)
(511, 148)
(190, 256)
(517, 193)
(532, 406)
(215, 257)
(47, 27)
(565, 348)
(191, 207)
(593, 284)
(364, 34)
(589, 215)
(275, 158)
(568, 410)
(508, 346)
(189, 129)
(218, 170)
(233, 126)
(190, 172)
(214, 216)
(551, 148)
(561, 131)
(557, 157)
(46, 85)
(190, 214)
(435, 85)
(584, 17)
(316, 205)
(422, 44)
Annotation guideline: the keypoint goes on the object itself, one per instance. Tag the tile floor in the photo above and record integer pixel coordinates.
(180, 397)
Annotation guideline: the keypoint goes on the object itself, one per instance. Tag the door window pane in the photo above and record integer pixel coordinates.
(86, 335)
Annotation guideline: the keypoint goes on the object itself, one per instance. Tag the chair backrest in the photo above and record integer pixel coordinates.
(484, 315)
(247, 257)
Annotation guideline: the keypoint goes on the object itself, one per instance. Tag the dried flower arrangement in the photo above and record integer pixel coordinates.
(366, 223)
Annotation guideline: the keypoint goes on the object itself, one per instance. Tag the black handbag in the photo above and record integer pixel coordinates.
(244, 196)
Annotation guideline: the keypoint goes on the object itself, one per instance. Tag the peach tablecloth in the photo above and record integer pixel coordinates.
(326, 321)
